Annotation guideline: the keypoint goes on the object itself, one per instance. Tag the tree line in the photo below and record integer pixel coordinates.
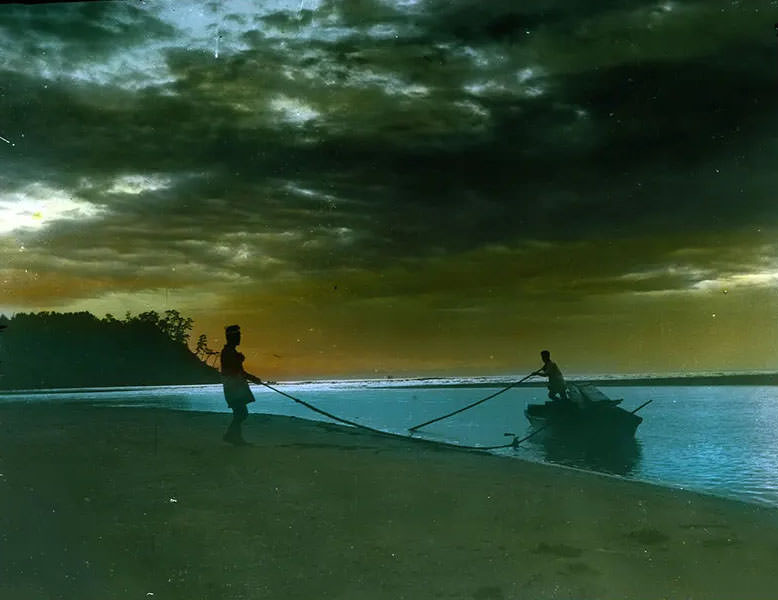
(51, 350)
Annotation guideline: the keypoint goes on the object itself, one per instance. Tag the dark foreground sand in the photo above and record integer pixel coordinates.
(136, 503)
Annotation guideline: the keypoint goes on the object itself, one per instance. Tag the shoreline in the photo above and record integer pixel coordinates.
(741, 379)
(689, 380)
(127, 502)
(422, 442)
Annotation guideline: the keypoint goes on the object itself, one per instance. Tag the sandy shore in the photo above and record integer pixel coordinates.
(140, 503)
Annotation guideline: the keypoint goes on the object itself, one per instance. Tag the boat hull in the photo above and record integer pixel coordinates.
(594, 420)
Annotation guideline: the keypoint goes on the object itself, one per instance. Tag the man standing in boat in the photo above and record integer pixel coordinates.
(236, 387)
(557, 388)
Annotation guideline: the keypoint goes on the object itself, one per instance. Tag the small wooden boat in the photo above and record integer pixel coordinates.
(588, 412)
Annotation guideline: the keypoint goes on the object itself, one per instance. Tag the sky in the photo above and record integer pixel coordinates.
(383, 188)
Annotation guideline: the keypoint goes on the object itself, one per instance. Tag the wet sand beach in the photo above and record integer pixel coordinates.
(143, 503)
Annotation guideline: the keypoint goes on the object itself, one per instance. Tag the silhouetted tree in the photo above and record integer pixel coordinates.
(80, 350)
(202, 345)
(172, 324)
(203, 352)
(176, 326)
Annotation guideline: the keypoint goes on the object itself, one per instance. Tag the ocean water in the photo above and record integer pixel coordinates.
(721, 440)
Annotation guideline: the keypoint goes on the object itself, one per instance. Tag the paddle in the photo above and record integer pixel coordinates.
(525, 438)
(505, 389)
(641, 406)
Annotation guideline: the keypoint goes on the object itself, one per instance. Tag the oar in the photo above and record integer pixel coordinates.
(641, 406)
(525, 438)
(505, 389)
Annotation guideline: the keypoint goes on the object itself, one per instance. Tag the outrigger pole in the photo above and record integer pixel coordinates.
(641, 406)
(505, 389)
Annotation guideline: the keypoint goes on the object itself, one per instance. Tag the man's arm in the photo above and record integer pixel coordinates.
(252, 378)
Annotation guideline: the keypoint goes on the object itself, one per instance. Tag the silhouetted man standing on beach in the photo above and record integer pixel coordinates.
(557, 388)
(235, 382)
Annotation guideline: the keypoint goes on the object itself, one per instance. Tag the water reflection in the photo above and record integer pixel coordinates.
(620, 456)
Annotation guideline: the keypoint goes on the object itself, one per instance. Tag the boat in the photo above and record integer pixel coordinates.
(587, 413)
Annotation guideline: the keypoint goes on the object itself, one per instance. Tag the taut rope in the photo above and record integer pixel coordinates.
(512, 444)
(469, 406)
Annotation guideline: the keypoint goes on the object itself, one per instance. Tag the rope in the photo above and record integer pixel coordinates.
(513, 444)
(469, 406)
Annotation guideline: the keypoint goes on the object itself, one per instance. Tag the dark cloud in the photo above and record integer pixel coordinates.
(372, 135)
(77, 32)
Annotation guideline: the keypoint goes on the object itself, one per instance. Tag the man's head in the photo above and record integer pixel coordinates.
(545, 355)
(232, 333)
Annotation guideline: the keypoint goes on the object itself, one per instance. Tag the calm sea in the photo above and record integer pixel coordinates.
(721, 440)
